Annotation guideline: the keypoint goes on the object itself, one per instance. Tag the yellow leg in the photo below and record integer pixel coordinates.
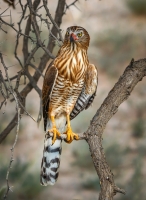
(70, 135)
(54, 130)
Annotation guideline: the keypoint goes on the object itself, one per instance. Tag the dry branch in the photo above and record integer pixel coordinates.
(120, 92)
(28, 56)
(13, 93)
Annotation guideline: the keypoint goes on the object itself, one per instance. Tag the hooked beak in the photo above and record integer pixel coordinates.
(73, 37)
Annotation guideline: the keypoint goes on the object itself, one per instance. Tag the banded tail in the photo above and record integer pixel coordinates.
(50, 161)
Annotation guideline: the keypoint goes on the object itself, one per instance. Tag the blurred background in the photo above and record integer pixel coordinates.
(118, 34)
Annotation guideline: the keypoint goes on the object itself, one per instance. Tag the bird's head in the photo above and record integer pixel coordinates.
(77, 35)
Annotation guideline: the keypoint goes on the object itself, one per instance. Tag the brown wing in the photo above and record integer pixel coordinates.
(49, 81)
(88, 92)
(91, 83)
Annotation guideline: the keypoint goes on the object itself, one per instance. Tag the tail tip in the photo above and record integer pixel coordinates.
(45, 182)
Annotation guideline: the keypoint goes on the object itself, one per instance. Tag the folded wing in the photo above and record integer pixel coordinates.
(88, 92)
(49, 81)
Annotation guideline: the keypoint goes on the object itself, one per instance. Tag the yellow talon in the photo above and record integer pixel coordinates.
(70, 134)
(55, 133)
(54, 130)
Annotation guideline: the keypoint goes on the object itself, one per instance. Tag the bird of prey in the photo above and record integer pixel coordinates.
(69, 87)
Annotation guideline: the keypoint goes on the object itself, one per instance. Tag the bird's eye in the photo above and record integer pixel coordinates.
(67, 33)
(80, 34)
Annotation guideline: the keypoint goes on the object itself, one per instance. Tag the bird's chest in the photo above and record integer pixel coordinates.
(65, 88)
(65, 94)
(73, 67)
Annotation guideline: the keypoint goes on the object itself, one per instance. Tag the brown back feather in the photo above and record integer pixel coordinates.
(49, 81)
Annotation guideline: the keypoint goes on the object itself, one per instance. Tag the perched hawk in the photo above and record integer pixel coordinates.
(69, 86)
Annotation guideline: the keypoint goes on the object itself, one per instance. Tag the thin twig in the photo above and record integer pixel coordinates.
(10, 88)
(53, 22)
(36, 30)
(40, 113)
(19, 31)
(72, 4)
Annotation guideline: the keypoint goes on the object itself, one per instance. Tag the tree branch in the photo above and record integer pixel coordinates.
(120, 92)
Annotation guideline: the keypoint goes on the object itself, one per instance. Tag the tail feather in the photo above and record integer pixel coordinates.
(50, 161)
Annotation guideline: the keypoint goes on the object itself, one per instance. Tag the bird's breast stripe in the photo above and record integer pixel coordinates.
(65, 94)
(72, 64)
